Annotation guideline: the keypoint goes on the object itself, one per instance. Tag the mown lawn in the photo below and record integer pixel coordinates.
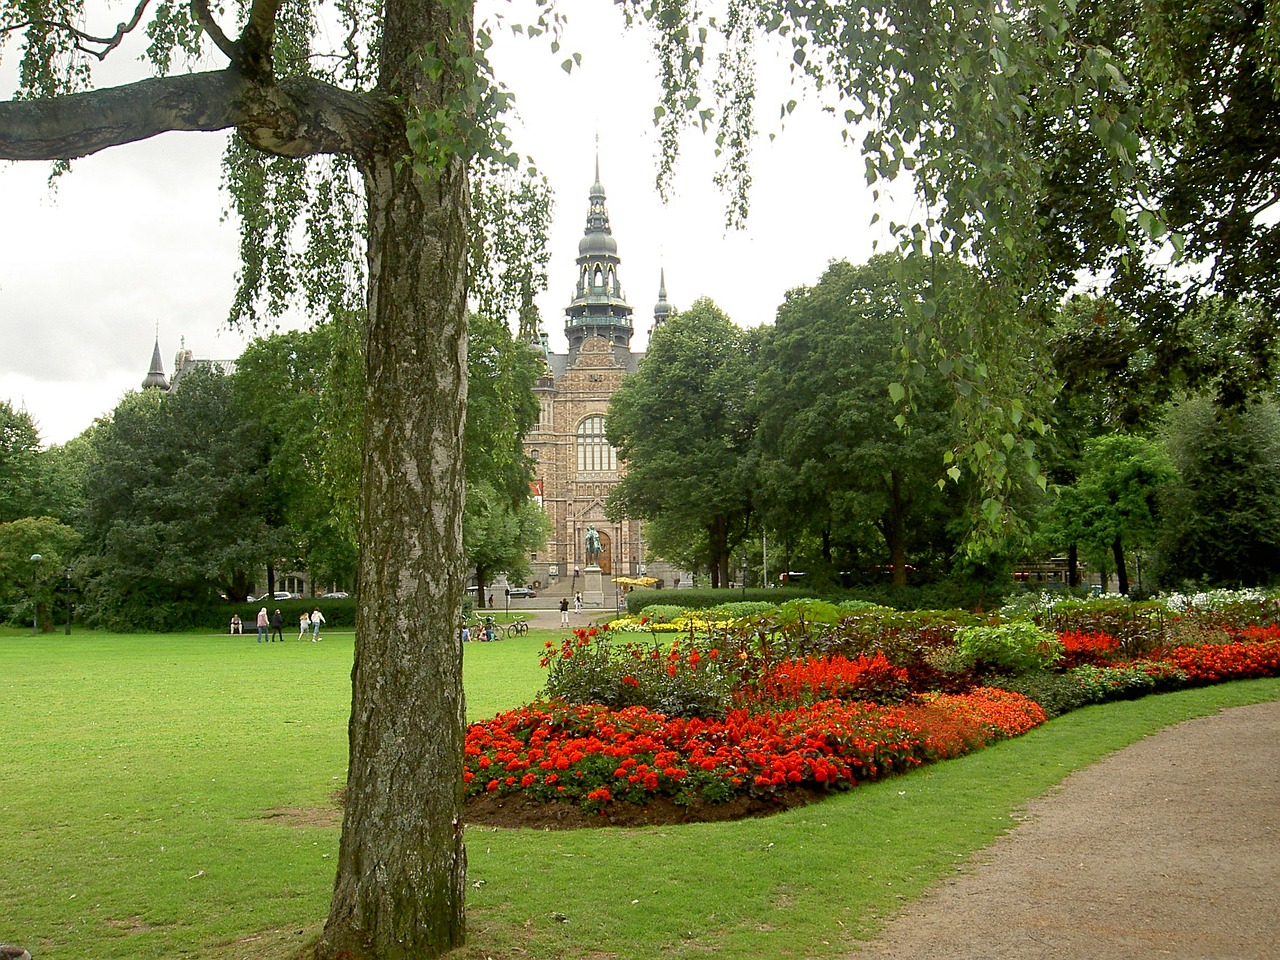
(170, 796)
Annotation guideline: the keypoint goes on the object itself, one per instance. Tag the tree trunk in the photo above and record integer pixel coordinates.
(1073, 566)
(895, 532)
(402, 867)
(1122, 575)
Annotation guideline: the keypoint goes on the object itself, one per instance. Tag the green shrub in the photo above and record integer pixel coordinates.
(738, 609)
(1019, 646)
(1139, 626)
(905, 636)
(679, 679)
(705, 598)
(1057, 693)
(1126, 681)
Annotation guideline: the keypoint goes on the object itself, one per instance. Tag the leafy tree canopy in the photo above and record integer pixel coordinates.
(179, 505)
(1113, 505)
(292, 384)
(1221, 515)
(683, 426)
(20, 466)
(20, 540)
(831, 456)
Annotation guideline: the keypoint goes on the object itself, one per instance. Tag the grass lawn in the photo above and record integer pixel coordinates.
(170, 796)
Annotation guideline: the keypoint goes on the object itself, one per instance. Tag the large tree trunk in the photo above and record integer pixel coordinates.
(1122, 574)
(402, 867)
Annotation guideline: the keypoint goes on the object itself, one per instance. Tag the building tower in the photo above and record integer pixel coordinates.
(575, 468)
(155, 378)
(598, 308)
(661, 309)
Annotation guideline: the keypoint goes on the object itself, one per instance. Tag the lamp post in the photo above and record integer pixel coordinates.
(67, 571)
(742, 572)
(35, 594)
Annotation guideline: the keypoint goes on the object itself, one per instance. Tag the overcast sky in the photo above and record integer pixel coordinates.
(133, 239)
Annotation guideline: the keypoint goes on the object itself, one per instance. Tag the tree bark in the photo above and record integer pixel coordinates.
(402, 867)
(1122, 575)
(297, 117)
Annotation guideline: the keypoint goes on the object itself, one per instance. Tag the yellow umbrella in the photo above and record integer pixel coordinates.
(636, 581)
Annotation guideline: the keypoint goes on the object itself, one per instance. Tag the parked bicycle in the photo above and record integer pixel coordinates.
(518, 627)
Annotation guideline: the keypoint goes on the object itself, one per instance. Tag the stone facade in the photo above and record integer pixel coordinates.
(575, 468)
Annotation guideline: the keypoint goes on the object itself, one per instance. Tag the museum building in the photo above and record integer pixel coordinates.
(575, 468)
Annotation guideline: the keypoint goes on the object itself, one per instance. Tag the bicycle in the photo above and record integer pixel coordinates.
(518, 626)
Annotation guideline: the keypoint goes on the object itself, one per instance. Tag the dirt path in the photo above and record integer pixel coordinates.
(1168, 848)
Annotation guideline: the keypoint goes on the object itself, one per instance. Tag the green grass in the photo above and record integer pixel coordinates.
(172, 796)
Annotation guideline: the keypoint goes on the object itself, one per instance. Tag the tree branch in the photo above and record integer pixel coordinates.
(204, 17)
(107, 44)
(258, 38)
(294, 118)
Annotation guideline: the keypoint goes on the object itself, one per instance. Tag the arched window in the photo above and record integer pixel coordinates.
(594, 453)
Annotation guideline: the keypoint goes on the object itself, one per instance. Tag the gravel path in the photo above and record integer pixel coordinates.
(1168, 848)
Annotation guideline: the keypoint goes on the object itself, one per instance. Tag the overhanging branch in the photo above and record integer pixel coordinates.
(298, 117)
(86, 42)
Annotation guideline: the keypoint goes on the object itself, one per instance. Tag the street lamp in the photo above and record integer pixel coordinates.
(742, 570)
(35, 594)
(67, 571)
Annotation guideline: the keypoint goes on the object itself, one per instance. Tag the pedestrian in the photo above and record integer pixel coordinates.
(466, 634)
(317, 618)
(263, 623)
(236, 625)
(491, 601)
(277, 626)
(564, 611)
(304, 624)
(577, 602)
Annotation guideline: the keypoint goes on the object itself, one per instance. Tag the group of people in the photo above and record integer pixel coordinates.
(488, 631)
(271, 628)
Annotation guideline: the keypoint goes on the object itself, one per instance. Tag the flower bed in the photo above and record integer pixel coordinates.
(803, 701)
(591, 755)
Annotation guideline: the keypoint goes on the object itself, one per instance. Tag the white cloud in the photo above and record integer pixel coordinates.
(133, 236)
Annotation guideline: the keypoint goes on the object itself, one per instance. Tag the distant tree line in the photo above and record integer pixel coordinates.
(176, 500)
(1162, 462)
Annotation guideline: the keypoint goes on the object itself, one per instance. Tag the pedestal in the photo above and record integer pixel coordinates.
(593, 586)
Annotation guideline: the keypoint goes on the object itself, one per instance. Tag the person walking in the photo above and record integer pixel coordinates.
(564, 611)
(317, 618)
(577, 602)
(304, 624)
(277, 626)
(263, 623)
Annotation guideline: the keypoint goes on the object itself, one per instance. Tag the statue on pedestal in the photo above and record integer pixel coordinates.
(593, 545)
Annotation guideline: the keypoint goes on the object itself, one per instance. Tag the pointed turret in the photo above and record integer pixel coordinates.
(598, 307)
(155, 379)
(661, 309)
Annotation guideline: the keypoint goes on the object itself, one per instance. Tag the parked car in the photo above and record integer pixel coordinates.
(336, 595)
(278, 595)
(516, 593)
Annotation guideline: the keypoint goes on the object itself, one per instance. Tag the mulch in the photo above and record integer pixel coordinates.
(518, 812)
